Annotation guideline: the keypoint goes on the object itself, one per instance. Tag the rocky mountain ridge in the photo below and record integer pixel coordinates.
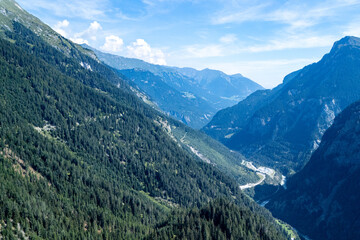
(283, 126)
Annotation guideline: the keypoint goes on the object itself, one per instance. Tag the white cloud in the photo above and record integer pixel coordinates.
(229, 38)
(89, 9)
(63, 28)
(90, 33)
(203, 51)
(298, 17)
(94, 26)
(226, 45)
(142, 50)
(293, 17)
(294, 14)
(113, 44)
(229, 45)
(242, 14)
(63, 24)
(293, 42)
(60, 27)
(80, 41)
(353, 29)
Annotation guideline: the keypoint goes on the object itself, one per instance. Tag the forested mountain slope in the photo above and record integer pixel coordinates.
(181, 105)
(322, 200)
(83, 158)
(220, 219)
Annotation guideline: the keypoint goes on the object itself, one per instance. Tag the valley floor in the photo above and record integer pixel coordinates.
(261, 172)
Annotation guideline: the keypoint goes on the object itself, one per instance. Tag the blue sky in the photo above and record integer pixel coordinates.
(261, 39)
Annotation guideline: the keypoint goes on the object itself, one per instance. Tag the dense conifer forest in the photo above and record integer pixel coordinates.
(82, 158)
(220, 219)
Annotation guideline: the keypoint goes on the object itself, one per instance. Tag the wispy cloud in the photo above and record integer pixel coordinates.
(353, 28)
(203, 51)
(229, 45)
(121, 15)
(293, 42)
(228, 39)
(242, 14)
(89, 9)
(293, 14)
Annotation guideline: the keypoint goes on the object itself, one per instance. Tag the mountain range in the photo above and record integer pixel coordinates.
(283, 126)
(82, 157)
(186, 94)
(98, 146)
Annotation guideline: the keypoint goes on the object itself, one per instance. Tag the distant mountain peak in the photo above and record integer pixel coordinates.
(237, 75)
(347, 41)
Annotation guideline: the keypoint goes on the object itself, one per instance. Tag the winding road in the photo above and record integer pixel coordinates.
(250, 185)
(261, 172)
